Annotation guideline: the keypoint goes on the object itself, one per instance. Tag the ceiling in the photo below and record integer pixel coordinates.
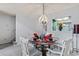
(30, 8)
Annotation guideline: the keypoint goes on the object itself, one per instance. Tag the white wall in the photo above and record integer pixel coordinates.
(26, 25)
(7, 28)
(73, 12)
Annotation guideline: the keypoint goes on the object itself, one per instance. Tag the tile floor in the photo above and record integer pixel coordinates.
(12, 50)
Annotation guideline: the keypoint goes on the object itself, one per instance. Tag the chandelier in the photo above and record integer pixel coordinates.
(43, 19)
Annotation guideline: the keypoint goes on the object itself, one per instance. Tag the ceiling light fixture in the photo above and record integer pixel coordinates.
(43, 19)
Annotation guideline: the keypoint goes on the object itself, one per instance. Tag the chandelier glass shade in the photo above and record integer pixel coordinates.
(43, 19)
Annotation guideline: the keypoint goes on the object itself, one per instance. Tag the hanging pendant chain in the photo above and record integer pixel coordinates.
(43, 8)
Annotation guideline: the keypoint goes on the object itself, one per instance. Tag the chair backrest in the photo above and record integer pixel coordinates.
(67, 49)
(24, 45)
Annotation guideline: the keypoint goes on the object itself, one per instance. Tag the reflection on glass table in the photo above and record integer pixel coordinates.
(42, 46)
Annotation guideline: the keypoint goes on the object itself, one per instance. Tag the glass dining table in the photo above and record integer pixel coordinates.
(42, 46)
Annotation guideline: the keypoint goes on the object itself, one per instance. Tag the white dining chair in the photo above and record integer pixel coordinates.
(27, 48)
(64, 51)
(68, 48)
(24, 46)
